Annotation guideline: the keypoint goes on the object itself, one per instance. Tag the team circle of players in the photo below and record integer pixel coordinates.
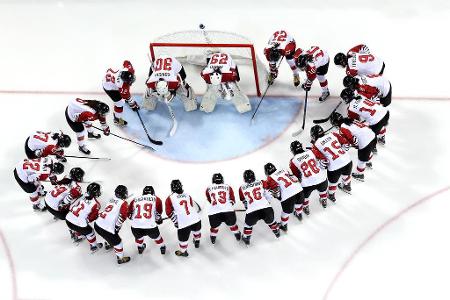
(323, 167)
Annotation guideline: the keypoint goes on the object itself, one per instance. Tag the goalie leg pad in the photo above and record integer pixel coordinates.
(209, 100)
(150, 100)
(187, 96)
(241, 101)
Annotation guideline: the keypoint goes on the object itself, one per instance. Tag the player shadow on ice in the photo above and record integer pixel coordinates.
(220, 135)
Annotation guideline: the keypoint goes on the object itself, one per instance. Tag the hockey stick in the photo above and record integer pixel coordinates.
(199, 209)
(174, 120)
(156, 142)
(120, 137)
(264, 94)
(320, 121)
(202, 28)
(304, 116)
(87, 157)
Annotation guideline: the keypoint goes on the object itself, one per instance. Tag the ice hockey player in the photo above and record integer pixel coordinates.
(281, 45)
(222, 76)
(144, 213)
(257, 207)
(359, 136)
(82, 212)
(167, 79)
(80, 114)
(117, 85)
(331, 149)
(314, 63)
(221, 210)
(66, 191)
(375, 114)
(359, 61)
(42, 144)
(180, 209)
(30, 173)
(110, 220)
(286, 188)
(373, 87)
(312, 174)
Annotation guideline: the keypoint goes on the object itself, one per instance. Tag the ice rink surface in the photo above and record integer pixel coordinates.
(389, 240)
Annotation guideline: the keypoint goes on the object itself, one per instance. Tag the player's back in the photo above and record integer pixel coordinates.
(364, 64)
(288, 183)
(165, 67)
(184, 208)
(370, 111)
(76, 107)
(221, 197)
(107, 218)
(80, 210)
(362, 132)
(55, 196)
(330, 146)
(144, 211)
(253, 194)
(378, 81)
(110, 79)
(40, 140)
(309, 167)
(320, 56)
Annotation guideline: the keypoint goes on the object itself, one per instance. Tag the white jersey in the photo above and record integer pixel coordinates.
(59, 193)
(281, 39)
(223, 61)
(183, 207)
(83, 211)
(370, 111)
(112, 81)
(320, 56)
(115, 212)
(144, 210)
(167, 68)
(288, 184)
(308, 169)
(378, 81)
(39, 140)
(364, 64)
(254, 194)
(221, 197)
(76, 107)
(359, 131)
(329, 146)
(32, 170)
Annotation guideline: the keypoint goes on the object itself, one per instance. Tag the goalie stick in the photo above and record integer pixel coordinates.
(304, 116)
(320, 121)
(174, 120)
(156, 142)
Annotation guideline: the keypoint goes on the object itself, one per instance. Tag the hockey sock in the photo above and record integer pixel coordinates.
(361, 167)
(346, 179)
(34, 197)
(118, 249)
(323, 82)
(81, 138)
(299, 208)
(88, 126)
(284, 218)
(118, 108)
(291, 63)
(248, 231)
(139, 242)
(273, 226)
(234, 229)
(197, 235)
(382, 132)
(183, 246)
(323, 195)
(159, 241)
(214, 231)
(332, 188)
(91, 238)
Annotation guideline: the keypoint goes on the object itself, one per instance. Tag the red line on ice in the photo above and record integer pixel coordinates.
(375, 233)
(11, 265)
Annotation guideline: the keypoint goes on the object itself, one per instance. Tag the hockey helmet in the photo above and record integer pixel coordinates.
(102, 108)
(148, 190)
(249, 176)
(302, 60)
(176, 186)
(93, 190)
(296, 148)
(350, 82)
(274, 52)
(340, 59)
(64, 140)
(57, 168)
(316, 132)
(121, 192)
(217, 178)
(336, 119)
(76, 174)
(127, 76)
(347, 95)
(269, 169)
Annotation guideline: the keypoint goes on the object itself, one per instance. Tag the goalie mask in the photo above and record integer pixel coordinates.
(216, 77)
(162, 88)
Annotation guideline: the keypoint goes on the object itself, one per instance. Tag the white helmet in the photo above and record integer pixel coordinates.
(162, 88)
(216, 78)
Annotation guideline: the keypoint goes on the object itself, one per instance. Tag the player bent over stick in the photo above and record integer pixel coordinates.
(167, 79)
(257, 207)
(221, 198)
(145, 216)
(80, 114)
(180, 209)
(286, 188)
(312, 174)
(42, 144)
(221, 74)
(30, 173)
(110, 220)
(82, 212)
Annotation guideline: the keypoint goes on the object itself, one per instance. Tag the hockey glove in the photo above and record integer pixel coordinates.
(133, 105)
(106, 130)
(306, 86)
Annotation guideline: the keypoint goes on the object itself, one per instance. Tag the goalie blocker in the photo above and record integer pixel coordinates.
(221, 75)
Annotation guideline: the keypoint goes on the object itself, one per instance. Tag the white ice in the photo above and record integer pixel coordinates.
(386, 241)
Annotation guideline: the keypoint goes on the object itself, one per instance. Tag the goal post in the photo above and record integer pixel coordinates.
(191, 47)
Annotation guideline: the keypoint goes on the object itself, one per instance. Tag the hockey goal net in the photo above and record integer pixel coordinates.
(193, 47)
